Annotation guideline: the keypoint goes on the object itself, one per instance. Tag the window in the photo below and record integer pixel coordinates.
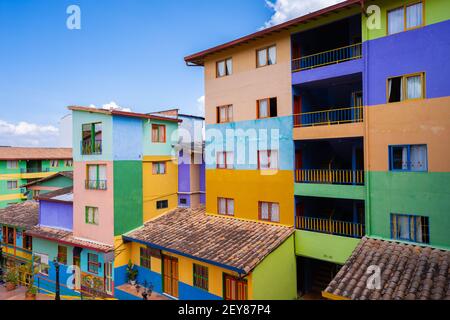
(269, 211)
(159, 168)
(145, 254)
(410, 228)
(163, 204)
(200, 277)
(68, 163)
(8, 235)
(93, 264)
(268, 160)
(266, 108)
(27, 242)
(12, 164)
(266, 56)
(92, 215)
(235, 289)
(225, 114)
(405, 18)
(12, 184)
(183, 201)
(54, 163)
(96, 177)
(225, 206)
(41, 262)
(224, 68)
(225, 160)
(92, 138)
(406, 87)
(408, 158)
(4, 234)
(158, 133)
(62, 254)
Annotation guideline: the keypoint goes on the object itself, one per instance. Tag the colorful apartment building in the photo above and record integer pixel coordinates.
(360, 107)
(20, 166)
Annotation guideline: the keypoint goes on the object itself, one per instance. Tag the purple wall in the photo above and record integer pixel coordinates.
(184, 177)
(202, 183)
(56, 214)
(423, 50)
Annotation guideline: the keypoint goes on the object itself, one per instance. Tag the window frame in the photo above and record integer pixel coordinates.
(53, 162)
(12, 181)
(200, 280)
(9, 162)
(99, 185)
(269, 108)
(158, 165)
(269, 156)
(95, 149)
(270, 219)
(408, 146)
(157, 126)
(68, 163)
(412, 237)
(404, 7)
(62, 256)
(158, 207)
(226, 166)
(43, 268)
(27, 242)
(404, 95)
(228, 118)
(145, 256)
(267, 56)
(227, 73)
(90, 263)
(95, 211)
(227, 212)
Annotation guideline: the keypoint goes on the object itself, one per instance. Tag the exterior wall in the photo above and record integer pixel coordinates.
(56, 214)
(330, 191)
(127, 138)
(16, 251)
(275, 278)
(159, 187)
(159, 149)
(8, 196)
(50, 185)
(101, 199)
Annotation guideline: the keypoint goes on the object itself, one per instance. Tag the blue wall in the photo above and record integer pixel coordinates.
(127, 138)
(56, 214)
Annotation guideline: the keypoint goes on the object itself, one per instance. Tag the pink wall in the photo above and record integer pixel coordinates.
(103, 200)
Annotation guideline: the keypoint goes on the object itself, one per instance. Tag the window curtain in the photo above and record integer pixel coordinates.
(230, 112)
(162, 168)
(275, 212)
(162, 133)
(419, 226)
(223, 114)
(92, 176)
(272, 55)
(262, 57)
(155, 134)
(230, 207)
(263, 108)
(222, 206)
(221, 68)
(419, 158)
(403, 227)
(95, 215)
(102, 173)
(396, 21)
(229, 66)
(404, 158)
(414, 87)
(414, 16)
(264, 211)
(274, 159)
(263, 160)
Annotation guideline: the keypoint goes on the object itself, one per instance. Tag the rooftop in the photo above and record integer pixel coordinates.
(233, 244)
(125, 114)
(23, 215)
(67, 237)
(408, 272)
(67, 174)
(60, 195)
(16, 153)
(199, 58)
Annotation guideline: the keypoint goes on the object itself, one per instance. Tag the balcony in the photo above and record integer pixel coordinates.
(91, 147)
(331, 227)
(34, 170)
(96, 184)
(326, 58)
(330, 176)
(329, 117)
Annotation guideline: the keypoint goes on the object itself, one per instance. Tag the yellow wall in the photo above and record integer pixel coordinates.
(248, 84)
(247, 188)
(159, 187)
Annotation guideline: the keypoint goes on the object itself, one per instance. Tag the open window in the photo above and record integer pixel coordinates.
(92, 138)
(266, 56)
(267, 108)
(224, 68)
(406, 87)
(225, 114)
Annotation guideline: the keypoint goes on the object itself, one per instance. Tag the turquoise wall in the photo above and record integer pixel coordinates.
(159, 149)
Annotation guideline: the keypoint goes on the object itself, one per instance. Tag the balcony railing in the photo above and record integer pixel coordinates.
(327, 176)
(91, 148)
(325, 58)
(329, 117)
(34, 170)
(95, 184)
(329, 226)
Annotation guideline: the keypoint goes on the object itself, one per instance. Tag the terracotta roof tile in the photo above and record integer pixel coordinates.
(67, 237)
(15, 153)
(234, 244)
(24, 215)
(408, 272)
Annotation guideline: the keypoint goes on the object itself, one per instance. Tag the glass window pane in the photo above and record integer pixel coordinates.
(222, 206)
(403, 227)
(263, 160)
(414, 87)
(263, 108)
(400, 158)
(230, 113)
(419, 161)
(229, 66)
(221, 68)
(396, 21)
(275, 212)
(414, 15)
(264, 211)
(272, 55)
(230, 207)
(262, 58)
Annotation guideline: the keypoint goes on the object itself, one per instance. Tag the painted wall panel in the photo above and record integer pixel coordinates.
(159, 149)
(330, 191)
(127, 138)
(56, 215)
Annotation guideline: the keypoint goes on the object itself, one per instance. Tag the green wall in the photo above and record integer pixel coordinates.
(128, 211)
(415, 193)
(435, 11)
(324, 247)
(329, 191)
(275, 278)
(159, 149)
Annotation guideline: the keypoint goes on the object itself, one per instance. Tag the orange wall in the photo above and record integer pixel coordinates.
(413, 122)
(248, 84)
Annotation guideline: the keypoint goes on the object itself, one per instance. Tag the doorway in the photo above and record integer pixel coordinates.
(170, 276)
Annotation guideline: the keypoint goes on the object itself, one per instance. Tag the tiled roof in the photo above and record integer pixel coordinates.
(67, 237)
(230, 243)
(63, 195)
(67, 174)
(14, 153)
(24, 215)
(408, 272)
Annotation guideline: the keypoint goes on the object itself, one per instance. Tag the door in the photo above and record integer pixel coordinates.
(77, 270)
(170, 276)
(235, 289)
(109, 284)
(297, 110)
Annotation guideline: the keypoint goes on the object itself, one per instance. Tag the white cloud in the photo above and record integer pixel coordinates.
(285, 10)
(27, 134)
(201, 105)
(111, 106)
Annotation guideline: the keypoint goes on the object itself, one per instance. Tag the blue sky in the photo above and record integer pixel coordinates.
(130, 52)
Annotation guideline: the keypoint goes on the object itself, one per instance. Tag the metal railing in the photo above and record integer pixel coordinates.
(327, 176)
(34, 170)
(96, 184)
(329, 226)
(91, 148)
(325, 58)
(329, 117)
